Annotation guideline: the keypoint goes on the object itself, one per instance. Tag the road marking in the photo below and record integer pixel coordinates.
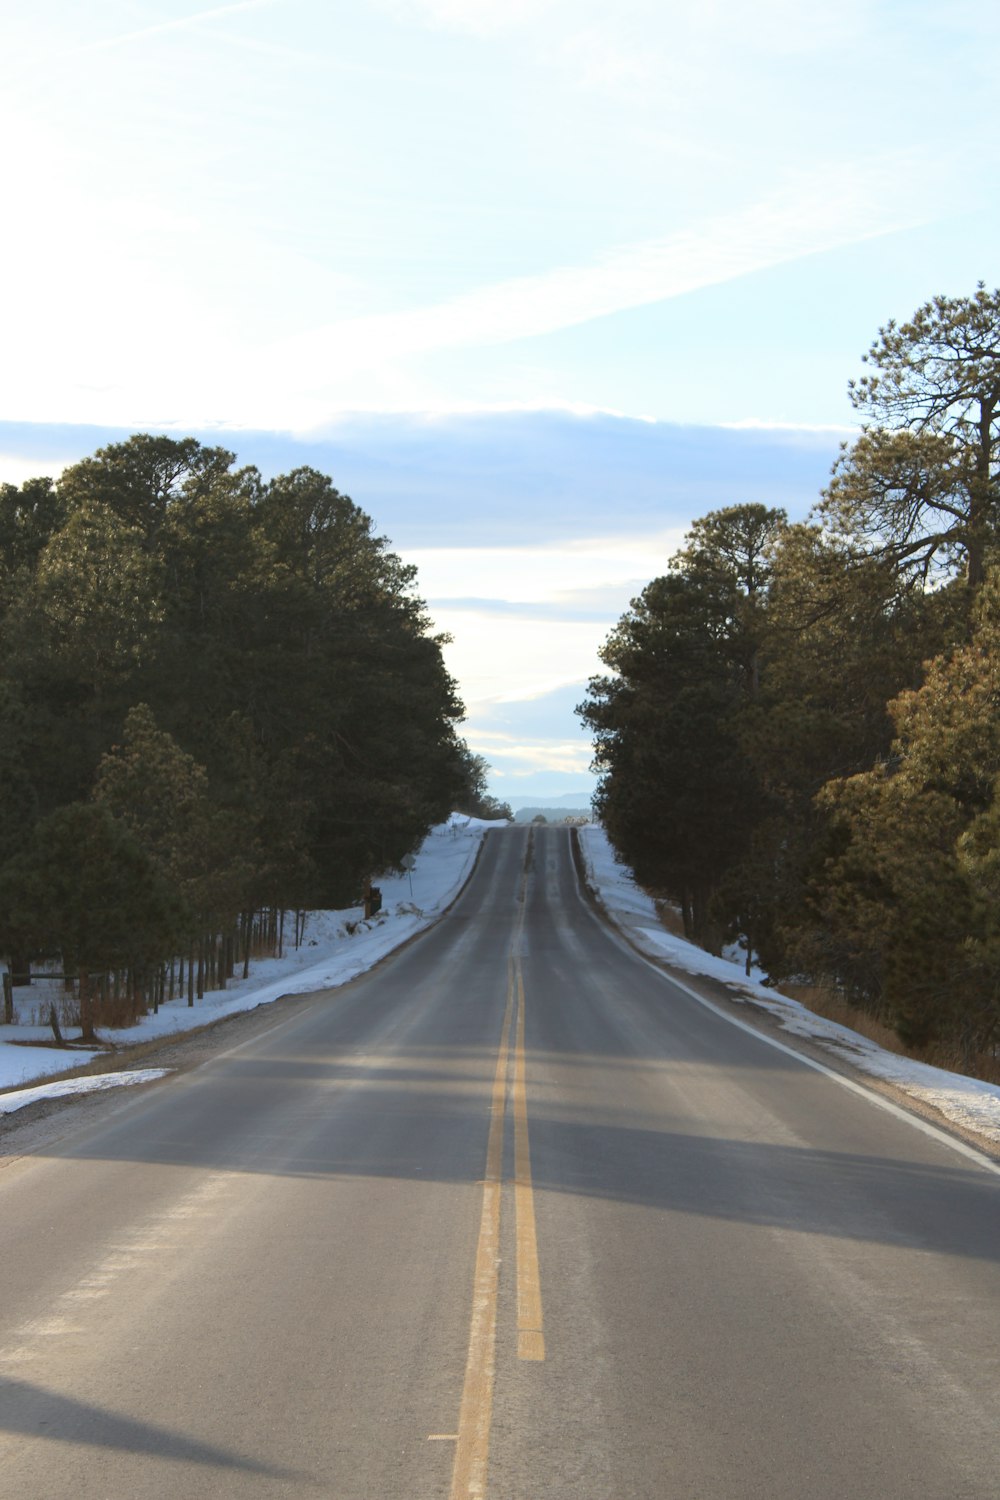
(936, 1133)
(879, 1100)
(530, 1338)
(468, 1479)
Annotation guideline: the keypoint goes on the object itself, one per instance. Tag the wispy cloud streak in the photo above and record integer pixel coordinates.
(842, 210)
(179, 23)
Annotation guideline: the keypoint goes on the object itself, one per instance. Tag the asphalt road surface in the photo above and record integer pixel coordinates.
(512, 1217)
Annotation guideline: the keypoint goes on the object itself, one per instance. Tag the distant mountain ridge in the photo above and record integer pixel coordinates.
(560, 802)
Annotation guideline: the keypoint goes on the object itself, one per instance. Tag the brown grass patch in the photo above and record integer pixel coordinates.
(670, 917)
(825, 1000)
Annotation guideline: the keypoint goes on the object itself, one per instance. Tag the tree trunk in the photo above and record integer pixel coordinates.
(980, 498)
(706, 933)
(20, 967)
(86, 1009)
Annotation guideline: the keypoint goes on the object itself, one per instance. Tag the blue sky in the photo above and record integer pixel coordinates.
(538, 283)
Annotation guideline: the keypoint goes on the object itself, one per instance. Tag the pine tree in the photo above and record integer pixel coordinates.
(921, 483)
(905, 896)
(85, 890)
(678, 793)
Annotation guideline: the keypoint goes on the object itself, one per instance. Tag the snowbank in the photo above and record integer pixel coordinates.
(965, 1101)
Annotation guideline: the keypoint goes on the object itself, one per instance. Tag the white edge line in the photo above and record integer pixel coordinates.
(872, 1096)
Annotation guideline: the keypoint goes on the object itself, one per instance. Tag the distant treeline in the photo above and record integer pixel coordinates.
(799, 733)
(219, 699)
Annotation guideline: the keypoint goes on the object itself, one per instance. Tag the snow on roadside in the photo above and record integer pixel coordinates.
(330, 955)
(102, 1082)
(967, 1102)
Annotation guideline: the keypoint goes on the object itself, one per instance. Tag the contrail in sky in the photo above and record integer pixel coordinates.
(176, 25)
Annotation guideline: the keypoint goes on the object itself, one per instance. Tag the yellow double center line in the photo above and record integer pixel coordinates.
(476, 1410)
(530, 1337)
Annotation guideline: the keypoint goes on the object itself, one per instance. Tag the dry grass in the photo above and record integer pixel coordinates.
(824, 1000)
(827, 1001)
(670, 917)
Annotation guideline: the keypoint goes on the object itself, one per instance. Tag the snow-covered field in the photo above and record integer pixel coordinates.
(965, 1101)
(330, 955)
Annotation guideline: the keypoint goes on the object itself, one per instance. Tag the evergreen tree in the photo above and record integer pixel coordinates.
(162, 795)
(86, 891)
(905, 897)
(474, 798)
(29, 517)
(921, 482)
(299, 732)
(140, 480)
(678, 793)
(74, 637)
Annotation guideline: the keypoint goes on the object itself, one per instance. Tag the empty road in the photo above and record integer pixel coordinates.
(512, 1216)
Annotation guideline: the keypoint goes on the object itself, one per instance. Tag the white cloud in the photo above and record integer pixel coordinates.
(780, 27)
(136, 367)
(645, 33)
(563, 574)
(511, 757)
(600, 61)
(485, 18)
(199, 239)
(761, 424)
(821, 213)
(15, 470)
(527, 657)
